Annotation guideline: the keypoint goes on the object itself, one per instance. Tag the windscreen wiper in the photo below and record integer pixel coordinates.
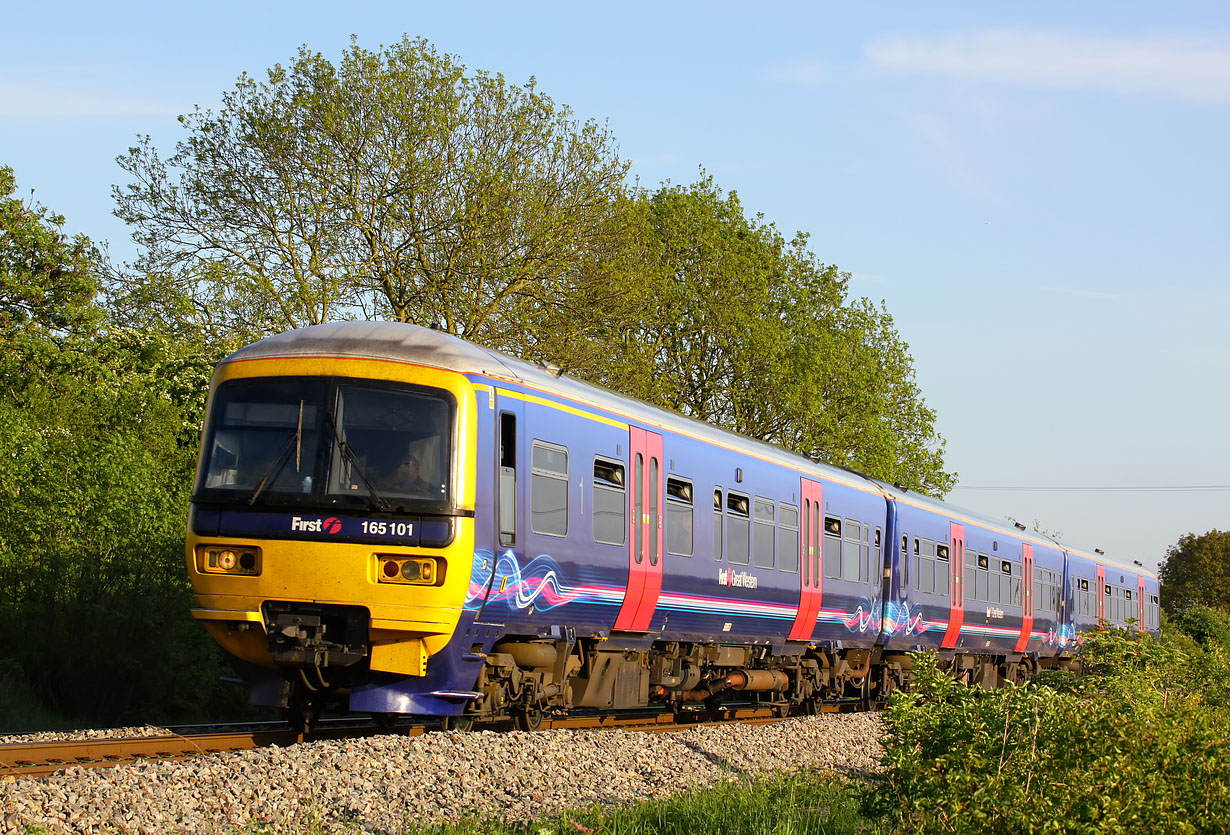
(275, 466)
(353, 460)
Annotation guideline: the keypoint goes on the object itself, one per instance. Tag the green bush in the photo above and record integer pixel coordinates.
(1131, 748)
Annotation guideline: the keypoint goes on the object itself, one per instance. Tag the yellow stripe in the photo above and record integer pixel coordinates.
(530, 398)
(542, 401)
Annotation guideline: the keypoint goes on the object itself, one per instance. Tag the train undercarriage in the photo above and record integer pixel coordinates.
(526, 678)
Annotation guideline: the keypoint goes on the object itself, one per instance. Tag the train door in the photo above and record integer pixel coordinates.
(510, 474)
(811, 578)
(1027, 611)
(1101, 594)
(1140, 604)
(644, 532)
(956, 615)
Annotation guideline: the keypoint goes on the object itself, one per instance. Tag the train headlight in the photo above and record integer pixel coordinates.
(419, 571)
(223, 559)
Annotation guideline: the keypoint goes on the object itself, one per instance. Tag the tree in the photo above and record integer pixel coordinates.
(719, 317)
(99, 426)
(393, 185)
(47, 281)
(1196, 572)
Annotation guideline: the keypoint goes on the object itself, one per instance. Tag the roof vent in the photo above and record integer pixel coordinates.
(551, 368)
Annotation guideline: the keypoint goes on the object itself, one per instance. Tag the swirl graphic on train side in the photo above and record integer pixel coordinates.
(538, 584)
(904, 619)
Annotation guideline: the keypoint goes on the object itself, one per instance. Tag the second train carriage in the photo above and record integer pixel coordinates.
(414, 524)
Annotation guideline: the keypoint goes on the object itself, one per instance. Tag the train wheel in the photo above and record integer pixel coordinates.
(528, 719)
(458, 723)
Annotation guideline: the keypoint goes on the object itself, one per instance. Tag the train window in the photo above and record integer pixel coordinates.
(638, 507)
(763, 546)
(981, 579)
(832, 547)
(850, 551)
(1006, 567)
(548, 489)
(610, 502)
(508, 479)
(655, 519)
(927, 566)
(717, 523)
(941, 552)
(814, 545)
(865, 571)
(679, 516)
(738, 533)
(787, 537)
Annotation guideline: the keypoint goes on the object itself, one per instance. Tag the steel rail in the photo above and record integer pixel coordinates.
(40, 758)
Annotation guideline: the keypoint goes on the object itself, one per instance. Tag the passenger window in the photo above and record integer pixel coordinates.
(738, 529)
(508, 479)
(549, 489)
(764, 533)
(717, 523)
(832, 547)
(610, 502)
(850, 551)
(787, 537)
(638, 507)
(981, 578)
(679, 516)
(654, 516)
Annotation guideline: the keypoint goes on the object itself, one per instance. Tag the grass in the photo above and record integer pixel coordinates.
(804, 803)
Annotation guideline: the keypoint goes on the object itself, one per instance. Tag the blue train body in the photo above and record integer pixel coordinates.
(617, 555)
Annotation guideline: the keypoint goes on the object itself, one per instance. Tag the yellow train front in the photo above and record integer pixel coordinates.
(331, 537)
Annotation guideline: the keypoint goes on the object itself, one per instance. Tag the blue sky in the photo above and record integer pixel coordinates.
(1038, 192)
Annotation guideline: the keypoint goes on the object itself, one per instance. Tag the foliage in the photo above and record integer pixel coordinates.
(1134, 747)
(98, 432)
(719, 317)
(1196, 572)
(46, 280)
(392, 185)
(98, 442)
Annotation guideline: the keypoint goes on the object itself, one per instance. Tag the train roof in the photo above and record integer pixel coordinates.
(402, 342)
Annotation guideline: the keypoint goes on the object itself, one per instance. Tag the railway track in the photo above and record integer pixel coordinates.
(35, 759)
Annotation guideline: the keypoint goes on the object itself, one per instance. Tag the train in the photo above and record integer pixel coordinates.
(389, 519)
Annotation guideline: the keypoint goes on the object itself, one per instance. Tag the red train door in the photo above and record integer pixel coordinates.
(644, 532)
(1101, 594)
(956, 615)
(1140, 604)
(1027, 578)
(811, 578)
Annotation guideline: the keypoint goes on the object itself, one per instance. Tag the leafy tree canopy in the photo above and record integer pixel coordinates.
(47, 281)
(392, 185)
(1196, 572)
(718, 316)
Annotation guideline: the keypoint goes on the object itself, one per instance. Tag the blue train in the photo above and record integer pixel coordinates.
(401, 521)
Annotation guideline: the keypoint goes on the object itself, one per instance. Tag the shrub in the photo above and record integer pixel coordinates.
(1130, 748)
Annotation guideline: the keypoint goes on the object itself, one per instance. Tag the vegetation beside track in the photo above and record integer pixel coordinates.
(1137, 745)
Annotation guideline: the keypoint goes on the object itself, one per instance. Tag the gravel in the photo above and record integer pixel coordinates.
(380, 784)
